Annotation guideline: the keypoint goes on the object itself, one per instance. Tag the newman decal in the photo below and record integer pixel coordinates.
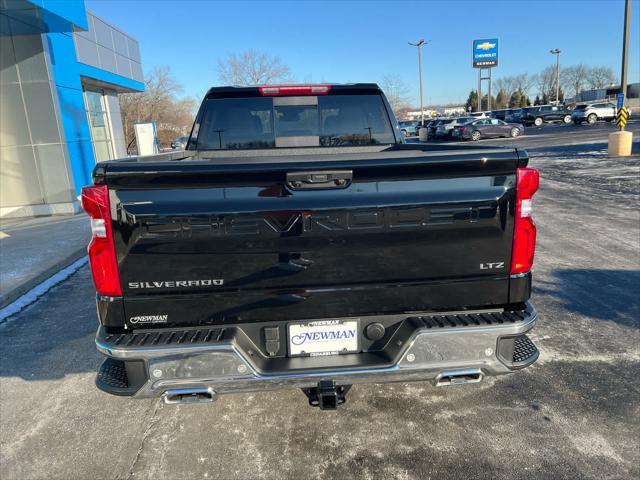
(149, 319)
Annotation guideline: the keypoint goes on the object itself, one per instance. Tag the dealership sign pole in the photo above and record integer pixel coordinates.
(484, 57)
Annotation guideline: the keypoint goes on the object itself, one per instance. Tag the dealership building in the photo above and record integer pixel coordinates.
(61, 70)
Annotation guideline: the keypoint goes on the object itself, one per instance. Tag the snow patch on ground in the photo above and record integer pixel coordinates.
(40, 289)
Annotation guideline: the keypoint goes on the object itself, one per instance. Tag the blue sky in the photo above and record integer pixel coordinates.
(362, 41)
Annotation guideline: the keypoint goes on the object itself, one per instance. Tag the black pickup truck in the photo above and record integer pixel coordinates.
(300, 242)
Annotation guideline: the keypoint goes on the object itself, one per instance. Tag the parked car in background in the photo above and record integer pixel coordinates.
(180, 143)
(432, 127)
(592, 112)
(479, 114)
(409, 128)
(445, 128)
(513, 115)
(502, 114)
(545, 114)
(487, 128)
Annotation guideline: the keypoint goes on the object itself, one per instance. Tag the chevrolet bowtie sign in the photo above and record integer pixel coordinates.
(485, 53)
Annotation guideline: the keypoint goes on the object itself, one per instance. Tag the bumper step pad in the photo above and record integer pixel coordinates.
(517, 352)
(524, 350)
(121, 378)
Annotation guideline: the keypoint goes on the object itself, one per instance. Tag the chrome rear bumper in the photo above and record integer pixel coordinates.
(429, 355)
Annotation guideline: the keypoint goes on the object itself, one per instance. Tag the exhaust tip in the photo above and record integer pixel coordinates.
(189, 396)
(459, 377)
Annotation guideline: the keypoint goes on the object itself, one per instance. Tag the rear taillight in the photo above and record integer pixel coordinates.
(276, 90)
(102, 252)
(524, 232)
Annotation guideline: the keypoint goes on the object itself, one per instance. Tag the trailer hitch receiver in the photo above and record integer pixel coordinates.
(327, 395)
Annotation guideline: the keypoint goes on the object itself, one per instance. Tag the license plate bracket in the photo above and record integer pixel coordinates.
(323, 337)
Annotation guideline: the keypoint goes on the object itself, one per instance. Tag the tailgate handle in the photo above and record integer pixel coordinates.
(319, 180)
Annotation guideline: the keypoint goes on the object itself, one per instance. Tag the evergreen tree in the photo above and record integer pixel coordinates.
(485, 103)
(524, 101)
(501, 100)
(537, 101)
(472, 101)
(516, 98)
(545, 99)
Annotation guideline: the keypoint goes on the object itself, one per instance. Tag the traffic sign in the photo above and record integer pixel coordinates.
(622, 117)
(620, 101)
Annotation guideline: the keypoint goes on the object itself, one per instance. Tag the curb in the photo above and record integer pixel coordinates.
(16, 292)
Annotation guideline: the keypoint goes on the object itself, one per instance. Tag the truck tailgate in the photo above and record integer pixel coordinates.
(228, 242)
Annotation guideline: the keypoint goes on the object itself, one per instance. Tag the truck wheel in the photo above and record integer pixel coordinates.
(475, 135)
(537, 122)
(515, 132)
(592, 118)
(567, 119)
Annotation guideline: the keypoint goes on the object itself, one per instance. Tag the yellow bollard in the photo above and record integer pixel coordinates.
(620, 144)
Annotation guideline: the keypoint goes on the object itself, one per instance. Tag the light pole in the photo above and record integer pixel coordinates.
(419, 45)
(625, 48)
(556, 52)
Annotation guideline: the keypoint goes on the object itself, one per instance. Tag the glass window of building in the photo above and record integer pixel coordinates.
(99, 124)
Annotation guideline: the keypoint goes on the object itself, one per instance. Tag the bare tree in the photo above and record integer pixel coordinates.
(522, 82)
(159, 104)
(546, 81)
(252, 68)
(601, 77)
(396, 92)
(573, 79)
(507, 85)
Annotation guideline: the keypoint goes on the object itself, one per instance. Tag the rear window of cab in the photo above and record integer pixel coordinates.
(296, 121)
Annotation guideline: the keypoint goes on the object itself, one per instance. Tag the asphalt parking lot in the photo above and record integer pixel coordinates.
(574, 414)
(553, 134)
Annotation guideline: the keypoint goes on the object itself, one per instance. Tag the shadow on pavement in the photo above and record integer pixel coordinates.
(53, 337)
(602, 294)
